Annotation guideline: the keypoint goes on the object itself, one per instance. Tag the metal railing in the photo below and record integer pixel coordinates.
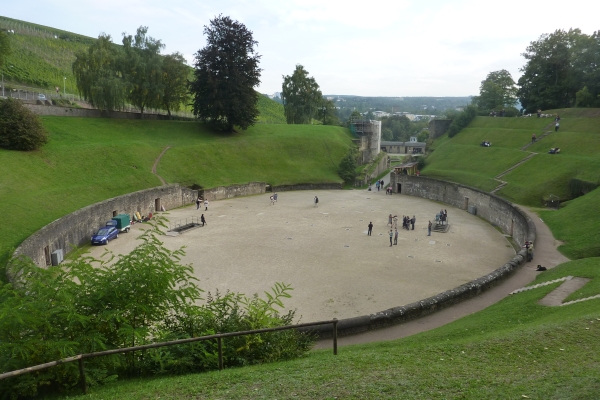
(219, 336)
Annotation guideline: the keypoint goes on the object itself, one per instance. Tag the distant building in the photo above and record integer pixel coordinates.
(368, 138)
(410, 147)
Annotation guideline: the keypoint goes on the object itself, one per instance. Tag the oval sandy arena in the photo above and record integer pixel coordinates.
(324, 252)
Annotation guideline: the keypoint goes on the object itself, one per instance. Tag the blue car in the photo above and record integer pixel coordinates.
(105, 234)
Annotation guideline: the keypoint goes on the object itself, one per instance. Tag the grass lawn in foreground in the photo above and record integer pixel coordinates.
(88, 160)
(512, 349)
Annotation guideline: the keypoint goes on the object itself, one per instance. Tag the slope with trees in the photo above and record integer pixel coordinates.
(226, 72)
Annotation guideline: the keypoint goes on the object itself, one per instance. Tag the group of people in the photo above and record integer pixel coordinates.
(378, 184)
(442, 217)
(199, 203)
(273, 199)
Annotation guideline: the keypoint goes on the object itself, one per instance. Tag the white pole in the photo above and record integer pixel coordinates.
(64, 85)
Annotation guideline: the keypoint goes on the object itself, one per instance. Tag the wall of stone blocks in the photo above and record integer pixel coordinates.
(76, 228)
(44, 110)
(227, 192)
(437, 127)
(308, 186)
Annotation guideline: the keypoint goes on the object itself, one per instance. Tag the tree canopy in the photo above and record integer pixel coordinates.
(301, 96)
(558, 66)
(174, 81)
(97, 75)
(498, 90)
(226, 72)
(141, 68)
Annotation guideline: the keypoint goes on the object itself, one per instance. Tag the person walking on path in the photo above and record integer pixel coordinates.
(203, 220)
(395, 222)
(391, 236)
(429, 229)
(206, 205)
(370, 226)
(396, 236)
(533, 138)
(377, 185)
(390, 221)
(272, 200)
(198, 201)
(412, 222)
(275, 197)
(316, 201)
(381, 183)
(556, 126)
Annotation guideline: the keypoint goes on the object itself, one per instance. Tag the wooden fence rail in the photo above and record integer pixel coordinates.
(218, 336)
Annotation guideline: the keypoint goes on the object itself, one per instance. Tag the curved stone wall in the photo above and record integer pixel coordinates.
(499, 212)
(77, 227)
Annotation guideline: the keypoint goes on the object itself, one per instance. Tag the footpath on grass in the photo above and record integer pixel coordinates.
(545, 254)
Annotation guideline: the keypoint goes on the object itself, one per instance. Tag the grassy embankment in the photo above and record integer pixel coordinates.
(88, 160)
(512, 349)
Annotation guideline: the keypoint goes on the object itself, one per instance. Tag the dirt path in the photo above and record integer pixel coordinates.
(545, 254)
(156, 164)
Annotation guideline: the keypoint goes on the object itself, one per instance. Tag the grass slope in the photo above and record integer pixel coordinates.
(513, 349)
(577, 225)
(88, 160)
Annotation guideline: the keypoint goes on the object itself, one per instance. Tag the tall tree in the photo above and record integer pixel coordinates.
(97, 75)
(175, 82)
(548, 76)
(327, 113)
(301, 96)
(226, 72)
(142, 69)
(497, 90)
(4, 47)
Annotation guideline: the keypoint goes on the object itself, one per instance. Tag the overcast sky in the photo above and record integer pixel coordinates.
(365, 48)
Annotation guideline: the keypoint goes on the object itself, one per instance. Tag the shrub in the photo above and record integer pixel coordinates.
(144, 297)
(347, 167)
(20, 129)
(462, 120)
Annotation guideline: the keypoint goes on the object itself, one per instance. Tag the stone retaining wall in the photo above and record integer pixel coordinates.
(227, 192)
(307, 186)
(494, 209)
(44, 110)
(77, 228)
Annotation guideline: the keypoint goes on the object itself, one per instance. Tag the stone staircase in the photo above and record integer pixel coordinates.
(440, 228)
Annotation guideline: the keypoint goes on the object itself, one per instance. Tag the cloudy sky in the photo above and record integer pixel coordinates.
(366, 48)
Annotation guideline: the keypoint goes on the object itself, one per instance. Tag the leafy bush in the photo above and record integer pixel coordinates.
(20, 129)
(347, 168)
(144, 297)
(462, 120)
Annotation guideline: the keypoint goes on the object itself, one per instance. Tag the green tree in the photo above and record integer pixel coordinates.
(20, 129)
(175, 82)
(399, 126)
(347, 167)
(226, 72)
(142, 69)
(327, 113)
(549, 79)
(5, 50)
(97, 75)
(498, 90)
(301, 96)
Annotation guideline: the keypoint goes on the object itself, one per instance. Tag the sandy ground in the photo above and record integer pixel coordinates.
(324, 252)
